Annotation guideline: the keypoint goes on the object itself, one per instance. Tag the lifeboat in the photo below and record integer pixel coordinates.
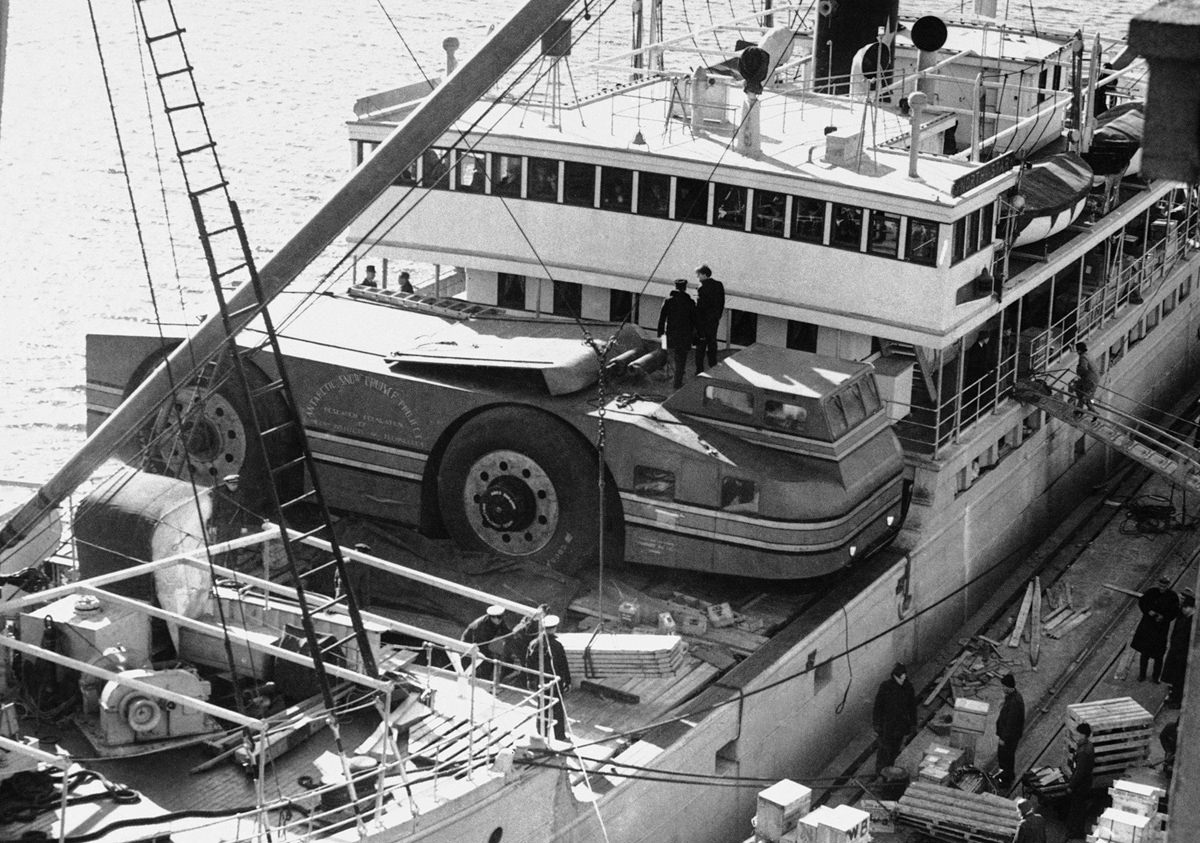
(1117, 141)
(1055, 192)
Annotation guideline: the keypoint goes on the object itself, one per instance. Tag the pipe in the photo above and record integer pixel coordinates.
(917, 101)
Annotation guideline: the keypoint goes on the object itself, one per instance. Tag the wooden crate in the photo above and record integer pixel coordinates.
(970, 715)
(1121, 826)
(956, 816)
(1134, 798)
(1121, 732)
(779, 807)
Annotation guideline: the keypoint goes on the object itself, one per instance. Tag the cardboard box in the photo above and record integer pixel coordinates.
(845, 825)
(809, 826)
(1122, 826)
(688, 620)
(779, 807)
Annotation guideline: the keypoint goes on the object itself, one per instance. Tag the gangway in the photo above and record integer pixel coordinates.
(1163, 451)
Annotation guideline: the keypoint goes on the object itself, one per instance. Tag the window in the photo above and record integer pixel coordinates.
(654, 482)
(733, 400)
(1168, 304)
(808, 219)
(579, 184)
(738, 495)
(616, 189)
(972, 238)
(568, 298)
(363, 150)
(801, 336)
(1185, 288)
(729, 206)
(622, 306)
(960, 241)
(852, 405)
(847, 226)
(435, 168)
(870, 395)
(743, 327)
(922, 242)
(408, 176)
(783, 415)
(1152, 319)
(510, 291)
(506, 175)
(543, 179)
(1041, 83)
(768, 213)
(691, 200)
(987, 226)
(654, 195)
(885, 234)
(471, 176)
(836, 416)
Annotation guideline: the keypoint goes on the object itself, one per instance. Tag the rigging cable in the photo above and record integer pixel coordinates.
(411, 54)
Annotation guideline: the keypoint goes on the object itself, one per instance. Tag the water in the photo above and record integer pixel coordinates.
(279, 78)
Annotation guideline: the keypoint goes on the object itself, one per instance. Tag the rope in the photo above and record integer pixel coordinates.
(408, 49)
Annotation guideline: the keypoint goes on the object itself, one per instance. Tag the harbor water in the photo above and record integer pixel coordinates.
(279, 80)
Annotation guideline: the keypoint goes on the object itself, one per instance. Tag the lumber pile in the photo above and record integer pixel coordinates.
(1134, 816)
(609, 654)
(956, 816)
(1121, 732)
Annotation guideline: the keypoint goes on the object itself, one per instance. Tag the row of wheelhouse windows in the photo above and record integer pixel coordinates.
(731, 206)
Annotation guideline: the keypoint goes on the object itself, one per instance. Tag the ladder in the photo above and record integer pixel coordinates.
(227, 253)
(1157, 448)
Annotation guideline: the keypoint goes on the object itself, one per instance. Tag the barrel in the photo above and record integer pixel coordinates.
(893, 781)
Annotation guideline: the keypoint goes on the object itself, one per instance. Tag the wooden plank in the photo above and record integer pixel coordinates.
(1075, 621)
(1123, 667)
(954, 666)
(1121, 589)
(1035, 632)
(1019, 626)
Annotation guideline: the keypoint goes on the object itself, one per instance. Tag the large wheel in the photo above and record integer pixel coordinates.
(518, 482)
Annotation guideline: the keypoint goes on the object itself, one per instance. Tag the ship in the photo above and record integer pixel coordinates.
(907, 226)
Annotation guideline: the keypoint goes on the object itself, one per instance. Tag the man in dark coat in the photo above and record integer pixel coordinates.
(1010, 725)
(678, 322)
(1159, 605)
(1175, 664)
(488, 632)
(895, 716)
(1079, 786)
(1033, 825)
(710, 304)
(547, 657)
(1087, 379)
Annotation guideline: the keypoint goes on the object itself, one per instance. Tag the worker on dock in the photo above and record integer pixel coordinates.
(1159, 606)
(1079, 787)
(895, 716)
(547, 658)
(406, 282)
(1010, 725)
(488, 632)
(1033, 825)
(1087, 379)
(677, 322)
(369, 279)
(1174, 667)
(710, 304)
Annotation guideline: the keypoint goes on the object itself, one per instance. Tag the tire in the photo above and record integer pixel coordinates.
(220, 440)
(519, 483)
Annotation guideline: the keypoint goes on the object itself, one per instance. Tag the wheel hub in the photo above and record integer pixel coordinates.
(211, 441)
(510, 503)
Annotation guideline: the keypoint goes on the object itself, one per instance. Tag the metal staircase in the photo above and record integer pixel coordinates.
(227, 251)
(1162, 451)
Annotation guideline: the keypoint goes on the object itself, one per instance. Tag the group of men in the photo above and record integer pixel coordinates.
(1163, 636)
(542, 655)
(686, 323)
(370, 279)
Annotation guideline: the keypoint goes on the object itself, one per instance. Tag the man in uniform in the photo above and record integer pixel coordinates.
(1010, 724)
(1033, 825)
(546, 657)
(1087, 379)
(678, 322)
(895, 716)
(1079, 787)
(1159, 605)
(710, 304)
(488, 632)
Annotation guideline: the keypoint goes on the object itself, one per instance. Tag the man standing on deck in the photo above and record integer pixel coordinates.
(1079, 787)
(1160, 606)
(1175, 664)
(710, 304)
(678, 322)
(369, 278)
(1010, 725)
(895, 716)
(488, 632)
(547, 658)
(1087, 379)
(1033, 825)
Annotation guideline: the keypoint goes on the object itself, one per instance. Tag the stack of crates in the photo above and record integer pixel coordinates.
(1121, 733)
(842, 824)
(968, 726)
(779, 808)
(939, 762)
(1134, 815)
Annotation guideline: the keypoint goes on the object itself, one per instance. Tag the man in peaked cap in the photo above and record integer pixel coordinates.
(1033, 825)
(1159, 606)
(1174, 669)
(895, 716)
(1010, 725)
(488, 632)
(1079, 786)
(547, 658)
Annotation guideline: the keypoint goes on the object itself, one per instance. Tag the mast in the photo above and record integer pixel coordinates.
(444, 105)
(3, 51)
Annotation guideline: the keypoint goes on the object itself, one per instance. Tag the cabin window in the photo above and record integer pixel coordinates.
(1041, 83)
(847, 226)
(506, 175)
(654, 195)
(407, 177)
(783, 415)
(363, 150)
(623, 306)
(972, 238)
(1168, 304)
(852, 405)
(870, 395)
(1152, 319)
(808, 219)
(885, 234)
(616, 189)
(579, 184)
(567, 299)
(1057, 84)
(922, 242)
(738, 495)
(650, 482)
(768, 213)
(543, 179)
(435, 168)
(960, 241)
(691, 200)
(510, 291)
(732, 400)
(471, 176)
(743, 327)
(837, 417)
(1185, 288)
(987, 226)
(729, 206)
(801, 336)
